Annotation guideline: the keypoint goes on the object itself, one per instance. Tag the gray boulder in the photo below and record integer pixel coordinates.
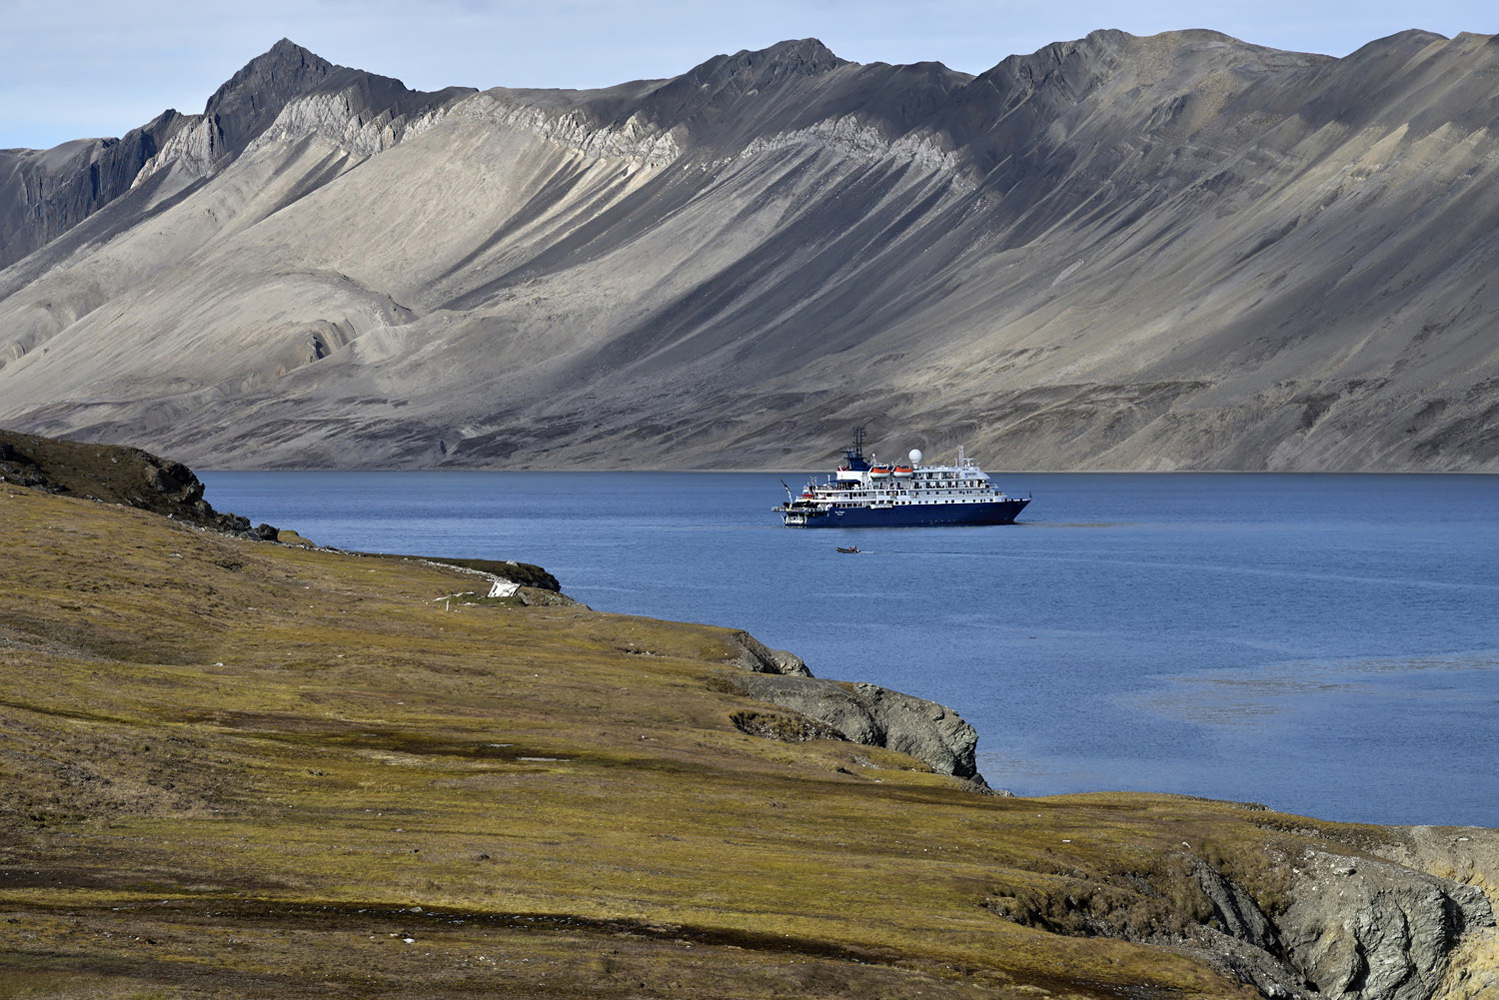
(1374, 930)
(753, 655)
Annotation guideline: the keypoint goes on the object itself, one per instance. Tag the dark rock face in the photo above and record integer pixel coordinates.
(718, 101)
(859, 713)
(112, 474)
(755, 656)
(43, 194)
(249, 102)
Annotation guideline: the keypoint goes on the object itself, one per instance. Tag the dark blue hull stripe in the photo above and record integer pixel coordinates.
(917, 515)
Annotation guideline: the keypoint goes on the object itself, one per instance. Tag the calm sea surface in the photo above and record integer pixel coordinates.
(1326, 645)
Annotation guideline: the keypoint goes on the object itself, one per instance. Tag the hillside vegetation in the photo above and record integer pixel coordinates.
(235, 768)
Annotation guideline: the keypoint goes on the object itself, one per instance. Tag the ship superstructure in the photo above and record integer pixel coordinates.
(868, 493)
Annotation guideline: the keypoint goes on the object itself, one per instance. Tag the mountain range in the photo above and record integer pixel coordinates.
(1170, 252)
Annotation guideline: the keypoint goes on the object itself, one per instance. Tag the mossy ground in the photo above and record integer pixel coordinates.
(237, 768)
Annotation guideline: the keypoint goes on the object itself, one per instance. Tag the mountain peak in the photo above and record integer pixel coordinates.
(250, 100)
(808, 51)
(1409, 41)
(800, 57)
(284, 58)
(704, 96)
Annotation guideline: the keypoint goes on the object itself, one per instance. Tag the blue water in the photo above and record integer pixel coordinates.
(1326, 645)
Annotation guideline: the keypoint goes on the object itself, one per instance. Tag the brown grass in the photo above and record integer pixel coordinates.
(235, 768)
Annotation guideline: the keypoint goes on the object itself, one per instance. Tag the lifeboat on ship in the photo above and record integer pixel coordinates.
(902, 472)
(879, 472)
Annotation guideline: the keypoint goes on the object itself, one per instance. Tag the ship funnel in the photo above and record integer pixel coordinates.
(915, 456)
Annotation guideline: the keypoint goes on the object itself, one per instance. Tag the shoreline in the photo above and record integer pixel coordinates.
(323, 759)
(677, 574)
(380, 758)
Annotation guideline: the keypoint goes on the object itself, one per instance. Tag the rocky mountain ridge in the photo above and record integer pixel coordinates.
(1180, 251)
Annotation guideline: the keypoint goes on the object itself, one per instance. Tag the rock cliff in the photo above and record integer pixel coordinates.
(44, 193)
(876, 716)
(1375, 930)
(110, 474)
(1345, 927)
(857, 712)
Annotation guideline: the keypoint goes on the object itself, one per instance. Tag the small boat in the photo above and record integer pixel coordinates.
(851, 548)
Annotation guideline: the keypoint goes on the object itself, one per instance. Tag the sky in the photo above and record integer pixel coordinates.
(90, 68)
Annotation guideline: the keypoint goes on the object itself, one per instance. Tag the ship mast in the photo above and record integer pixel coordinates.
(854, 453)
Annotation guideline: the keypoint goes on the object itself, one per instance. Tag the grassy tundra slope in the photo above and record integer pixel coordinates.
(230, 767)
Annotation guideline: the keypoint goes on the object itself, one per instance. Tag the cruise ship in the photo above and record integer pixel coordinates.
(867, 494)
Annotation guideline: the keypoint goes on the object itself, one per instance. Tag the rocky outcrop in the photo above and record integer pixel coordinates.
(850, 137)
(1238, 939)
(859, 713)
(1346, 927)
(753, 655)
(635, 140)
(251, 99)
(193, 152)
(111, 474)
(1470, 856)
(360, 113)
(878, 717)
(1373, 930)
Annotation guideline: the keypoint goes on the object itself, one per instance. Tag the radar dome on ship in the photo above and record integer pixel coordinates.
(915, 456)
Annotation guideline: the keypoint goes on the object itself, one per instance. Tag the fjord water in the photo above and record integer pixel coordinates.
(1326, 645)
